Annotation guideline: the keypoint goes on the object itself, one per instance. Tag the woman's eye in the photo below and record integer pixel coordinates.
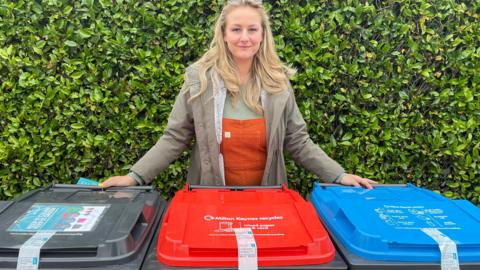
(236, 29)
(253, 29)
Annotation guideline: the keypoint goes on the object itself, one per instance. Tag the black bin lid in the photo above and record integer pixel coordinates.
(125, 221)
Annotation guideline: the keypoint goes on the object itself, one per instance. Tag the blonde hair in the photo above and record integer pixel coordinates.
(267, 71)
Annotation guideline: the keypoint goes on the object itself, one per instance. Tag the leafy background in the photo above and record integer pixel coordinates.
(389, 88)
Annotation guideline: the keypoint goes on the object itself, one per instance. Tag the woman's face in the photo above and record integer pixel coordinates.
(243, 33)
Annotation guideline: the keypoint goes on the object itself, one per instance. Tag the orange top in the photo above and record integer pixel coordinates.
(244, 149)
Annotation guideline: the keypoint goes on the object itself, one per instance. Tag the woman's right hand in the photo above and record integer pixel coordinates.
(118, 181)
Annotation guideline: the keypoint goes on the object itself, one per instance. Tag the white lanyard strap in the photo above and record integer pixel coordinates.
(448, 249)
(247, 249)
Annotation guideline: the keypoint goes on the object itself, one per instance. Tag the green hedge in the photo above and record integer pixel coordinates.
(389, 88)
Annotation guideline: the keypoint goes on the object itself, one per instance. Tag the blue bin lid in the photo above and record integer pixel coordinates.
(385, 223)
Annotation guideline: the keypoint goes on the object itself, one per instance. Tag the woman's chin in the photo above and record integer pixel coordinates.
(243, 57)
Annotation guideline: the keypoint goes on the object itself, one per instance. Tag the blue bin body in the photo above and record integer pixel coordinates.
(382, 227)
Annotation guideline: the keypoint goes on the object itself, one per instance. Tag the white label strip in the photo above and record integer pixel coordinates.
(247, 249)
(448, 249)
(29, 254)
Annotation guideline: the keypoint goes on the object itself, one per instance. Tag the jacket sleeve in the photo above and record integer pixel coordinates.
(303, 150)
(176, 138)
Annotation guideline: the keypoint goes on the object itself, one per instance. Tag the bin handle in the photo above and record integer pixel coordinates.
(234, 188)
(374, 185)
(102, 188)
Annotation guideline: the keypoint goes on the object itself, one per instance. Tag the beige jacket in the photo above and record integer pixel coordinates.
(201, 119)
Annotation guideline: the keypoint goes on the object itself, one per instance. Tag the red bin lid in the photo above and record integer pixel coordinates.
(197, 229)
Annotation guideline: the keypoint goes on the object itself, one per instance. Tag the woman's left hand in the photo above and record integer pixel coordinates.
(357, 181)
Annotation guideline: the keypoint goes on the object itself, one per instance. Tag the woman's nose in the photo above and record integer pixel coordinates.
(244, 35)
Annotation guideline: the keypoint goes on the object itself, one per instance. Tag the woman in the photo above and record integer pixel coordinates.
(238, 104)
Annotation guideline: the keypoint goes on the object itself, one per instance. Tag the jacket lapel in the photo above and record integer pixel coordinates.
(273, 108)
(273, 111)
(209, 104)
